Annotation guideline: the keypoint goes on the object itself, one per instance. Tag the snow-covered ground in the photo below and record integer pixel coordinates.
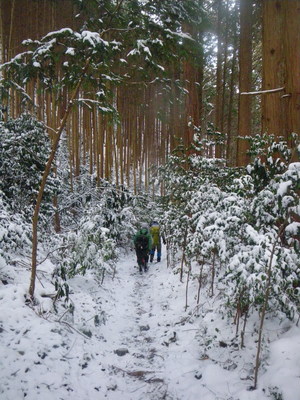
(132, 339)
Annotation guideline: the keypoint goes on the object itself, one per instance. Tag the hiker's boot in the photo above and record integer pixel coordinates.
(151, 258)
(145, 267)
(158, 259)
(140, 269)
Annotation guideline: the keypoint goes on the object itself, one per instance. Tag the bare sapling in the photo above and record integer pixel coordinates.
(183, 256)
(237, 316)
(200, 279)
(168, 254)
(187, 286)
(244, 329)
(213, 273)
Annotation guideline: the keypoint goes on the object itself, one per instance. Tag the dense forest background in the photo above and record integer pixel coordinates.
(193, 71)
(115, 112)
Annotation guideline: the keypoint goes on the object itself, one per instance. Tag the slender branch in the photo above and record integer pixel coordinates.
(263, 91)
(51, 252)
(49, 127)
(76, 330)
(142, 82)
(119, 30)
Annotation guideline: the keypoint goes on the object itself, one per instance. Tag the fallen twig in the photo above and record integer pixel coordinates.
(137, 374)
(76, 330)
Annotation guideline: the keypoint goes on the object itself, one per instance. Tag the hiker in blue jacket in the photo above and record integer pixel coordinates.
(143, 244)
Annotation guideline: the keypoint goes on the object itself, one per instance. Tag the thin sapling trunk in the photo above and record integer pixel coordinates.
(244, 329)
(187, 287)
(183, 256)
(200, 281)
(44, 180)
(213, 273)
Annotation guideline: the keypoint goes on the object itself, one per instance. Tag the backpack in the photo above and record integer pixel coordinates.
(142, 242)
(155, 232)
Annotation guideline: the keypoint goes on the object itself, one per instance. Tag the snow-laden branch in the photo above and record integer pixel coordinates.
(264, 91)
(21, 90)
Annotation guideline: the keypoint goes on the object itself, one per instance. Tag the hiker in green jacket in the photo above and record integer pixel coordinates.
(143, 244)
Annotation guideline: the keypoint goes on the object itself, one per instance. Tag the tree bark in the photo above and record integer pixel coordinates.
(218, 102)
(225, 72)
(245, 81)
(232, 132)
(273, 67)
(292, 66)
(191, 78)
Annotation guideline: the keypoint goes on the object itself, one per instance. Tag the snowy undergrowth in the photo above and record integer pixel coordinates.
(103, 331)
(132, 338)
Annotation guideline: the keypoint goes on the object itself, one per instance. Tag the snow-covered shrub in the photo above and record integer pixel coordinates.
(100, 219)
(219, 223)
(24, 150)
(14, 232)
(215, 215)
(179, 184)
(115, 204)
(270, 159)
(122, 211)
(89, 247)
(197, 200)
(270, 247)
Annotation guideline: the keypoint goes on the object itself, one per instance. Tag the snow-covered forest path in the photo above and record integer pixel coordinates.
(140, 349)
(131, 338)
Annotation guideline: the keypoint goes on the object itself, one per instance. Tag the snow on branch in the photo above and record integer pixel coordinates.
(263, 91)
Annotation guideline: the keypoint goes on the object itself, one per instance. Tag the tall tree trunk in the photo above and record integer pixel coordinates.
(12, 23)
(231, 132)
(200, 82)
(292, 61)
(245, 82)
(225, 67)
(218, 102)
(273, 67)
(191, 79)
